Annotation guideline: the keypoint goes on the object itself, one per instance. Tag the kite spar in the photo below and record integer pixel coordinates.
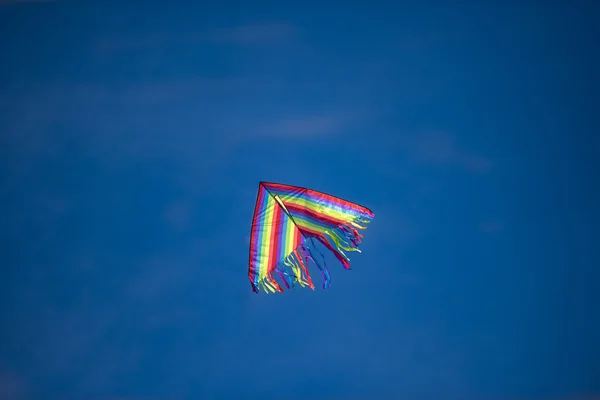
(287, 219)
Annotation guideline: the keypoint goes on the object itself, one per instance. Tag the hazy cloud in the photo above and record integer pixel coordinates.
(306, 128)
(152, 120)
(255, 34)
(439, 147)
(156, 43)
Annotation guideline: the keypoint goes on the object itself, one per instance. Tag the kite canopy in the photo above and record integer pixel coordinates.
(286, 220)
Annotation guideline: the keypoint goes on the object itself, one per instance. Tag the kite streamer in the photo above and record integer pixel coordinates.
(287, 219)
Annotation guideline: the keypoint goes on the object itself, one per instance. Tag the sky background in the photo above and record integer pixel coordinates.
(132, 142)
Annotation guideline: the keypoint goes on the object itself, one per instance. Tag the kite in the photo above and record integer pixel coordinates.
(287, 220)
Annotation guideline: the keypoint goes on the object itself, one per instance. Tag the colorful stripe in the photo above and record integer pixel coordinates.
(283, 217)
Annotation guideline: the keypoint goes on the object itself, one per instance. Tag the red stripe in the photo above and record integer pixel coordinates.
(321, 195)
(258, 209)
(297, 236)
(305, 270)
(318, 216)
(274, 245)
(287, 285)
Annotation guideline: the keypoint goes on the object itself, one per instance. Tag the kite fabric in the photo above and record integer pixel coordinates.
(287, 219)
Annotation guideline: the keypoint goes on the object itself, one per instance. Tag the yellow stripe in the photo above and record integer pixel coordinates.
(319, 208)
(307, 224)
(289, 237)
(265, 245)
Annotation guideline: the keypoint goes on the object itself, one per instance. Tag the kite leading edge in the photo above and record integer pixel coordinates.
(287, 219)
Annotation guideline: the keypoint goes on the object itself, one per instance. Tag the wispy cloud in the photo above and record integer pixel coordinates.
(170, 118)
(243, 35)
(143, 121)
(307, 127)
(255, 34)
(441, 148)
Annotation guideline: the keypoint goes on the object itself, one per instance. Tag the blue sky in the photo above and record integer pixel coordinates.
(132, 143)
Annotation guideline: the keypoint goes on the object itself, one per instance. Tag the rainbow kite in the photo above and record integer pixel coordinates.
(286, 220)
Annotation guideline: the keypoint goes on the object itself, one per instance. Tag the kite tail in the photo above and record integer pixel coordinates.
(345, 237)
(284, 276)
(269, 284)
(298, 268)
(294, 267)
(324, 270)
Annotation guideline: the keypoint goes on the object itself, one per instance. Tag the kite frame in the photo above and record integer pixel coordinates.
(261, 185)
